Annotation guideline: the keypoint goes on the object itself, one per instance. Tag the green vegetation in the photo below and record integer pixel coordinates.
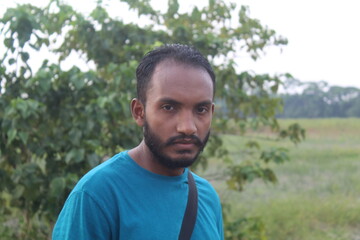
(317, 196)
(57, 123)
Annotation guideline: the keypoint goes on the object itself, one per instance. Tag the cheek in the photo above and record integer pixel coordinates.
(204, 125)
(160, 120)
(162, 127)
(161, 123)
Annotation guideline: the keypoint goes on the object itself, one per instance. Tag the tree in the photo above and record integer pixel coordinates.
(57, 124)
(318, 100)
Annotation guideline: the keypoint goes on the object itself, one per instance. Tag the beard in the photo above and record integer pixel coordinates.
(157, 148)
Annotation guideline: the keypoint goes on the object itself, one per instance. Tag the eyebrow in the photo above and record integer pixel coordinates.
(168, 100)
(172, 101)
(205, 103)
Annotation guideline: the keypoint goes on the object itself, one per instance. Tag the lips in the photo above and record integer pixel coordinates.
(186, 141)
(185, 144)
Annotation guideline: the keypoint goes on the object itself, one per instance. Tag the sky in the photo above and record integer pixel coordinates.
(324, 36)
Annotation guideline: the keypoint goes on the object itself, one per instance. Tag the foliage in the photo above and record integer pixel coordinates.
(56, 124)
(319, 100)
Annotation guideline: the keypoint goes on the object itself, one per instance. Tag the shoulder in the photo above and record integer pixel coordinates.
(203, 183)
(92, 205)
(102, 175)
(206, 190)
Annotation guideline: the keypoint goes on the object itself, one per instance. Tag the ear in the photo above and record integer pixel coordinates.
(138, 111)
(212, 108)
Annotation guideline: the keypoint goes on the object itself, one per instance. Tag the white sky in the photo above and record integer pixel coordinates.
(324, 36)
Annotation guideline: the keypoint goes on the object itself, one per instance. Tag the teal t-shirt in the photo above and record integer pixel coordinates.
(121, 200)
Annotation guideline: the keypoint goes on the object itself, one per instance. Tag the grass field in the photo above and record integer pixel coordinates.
(318, 193)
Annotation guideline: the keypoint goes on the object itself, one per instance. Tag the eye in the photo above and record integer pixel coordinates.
(168, 107)
(202, 109)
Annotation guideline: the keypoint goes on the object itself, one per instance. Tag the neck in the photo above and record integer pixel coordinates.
(145, 158)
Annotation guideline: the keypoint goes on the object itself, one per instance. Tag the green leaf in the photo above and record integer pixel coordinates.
(78, 81)
(23, 106)
(8, 42)
(18, 191)
(11, 135)
(11, 61)
(25, 56)
(24, 137)
(75, 156)
(44, 81)
(57, 186)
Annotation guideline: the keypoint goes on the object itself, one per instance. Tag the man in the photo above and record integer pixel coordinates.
(142, 193)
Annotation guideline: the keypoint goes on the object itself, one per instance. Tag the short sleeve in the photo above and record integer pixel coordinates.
(81, 218)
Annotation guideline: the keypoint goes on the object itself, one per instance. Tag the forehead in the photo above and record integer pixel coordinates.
(173, 79)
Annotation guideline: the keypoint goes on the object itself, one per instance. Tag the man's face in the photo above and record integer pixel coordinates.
(178, 113)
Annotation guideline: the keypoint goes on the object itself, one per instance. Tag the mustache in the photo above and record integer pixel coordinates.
(185, 138)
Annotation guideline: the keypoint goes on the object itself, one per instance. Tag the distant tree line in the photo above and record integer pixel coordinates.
(319, 100)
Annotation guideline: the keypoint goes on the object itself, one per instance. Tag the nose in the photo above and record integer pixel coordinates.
(186, 124)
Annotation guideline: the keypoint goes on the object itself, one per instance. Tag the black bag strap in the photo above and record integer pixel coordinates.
(189, 219)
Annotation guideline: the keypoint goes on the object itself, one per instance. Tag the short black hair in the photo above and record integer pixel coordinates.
(180, 53)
